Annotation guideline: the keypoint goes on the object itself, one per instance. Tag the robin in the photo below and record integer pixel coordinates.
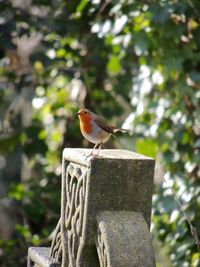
(95, 129)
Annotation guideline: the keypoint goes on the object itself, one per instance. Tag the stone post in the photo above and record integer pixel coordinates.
(105, 211)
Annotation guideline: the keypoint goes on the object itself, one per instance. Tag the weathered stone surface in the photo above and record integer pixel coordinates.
(124, 240)
(40, 256)
(118, 180)
(105, 210)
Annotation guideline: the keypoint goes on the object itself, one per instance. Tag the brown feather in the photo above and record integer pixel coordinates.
(103, 125)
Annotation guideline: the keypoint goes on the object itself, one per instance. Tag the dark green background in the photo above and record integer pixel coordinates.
(132, 61)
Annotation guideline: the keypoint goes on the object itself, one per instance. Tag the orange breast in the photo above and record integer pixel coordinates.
(86, 124)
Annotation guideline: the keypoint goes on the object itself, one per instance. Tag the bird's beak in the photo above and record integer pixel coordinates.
(78, 113)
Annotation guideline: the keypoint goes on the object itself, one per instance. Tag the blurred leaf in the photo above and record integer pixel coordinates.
(17, 191)
(147, 147)
(114, 66)
(81, 6)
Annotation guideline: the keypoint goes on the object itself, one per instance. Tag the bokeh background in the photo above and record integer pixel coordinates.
(137, 63)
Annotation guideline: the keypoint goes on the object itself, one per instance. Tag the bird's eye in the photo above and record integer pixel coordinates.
(85, 112)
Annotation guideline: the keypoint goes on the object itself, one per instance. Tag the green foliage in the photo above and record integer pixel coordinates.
(137, 61)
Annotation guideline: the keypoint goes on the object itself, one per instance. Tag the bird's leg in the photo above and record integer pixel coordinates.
(100, 146)
(93, 149)
(91, 153)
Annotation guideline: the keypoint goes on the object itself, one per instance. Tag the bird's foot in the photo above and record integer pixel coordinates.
(89, 156)
(92, 156)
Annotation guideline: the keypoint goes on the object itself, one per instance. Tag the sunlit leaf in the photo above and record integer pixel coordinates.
(114, 65)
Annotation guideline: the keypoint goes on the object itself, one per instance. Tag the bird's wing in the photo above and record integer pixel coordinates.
(103, 125)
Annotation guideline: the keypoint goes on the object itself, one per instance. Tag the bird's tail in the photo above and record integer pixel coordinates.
(121, 130)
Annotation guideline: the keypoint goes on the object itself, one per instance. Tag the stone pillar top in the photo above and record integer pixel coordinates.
(79, 156)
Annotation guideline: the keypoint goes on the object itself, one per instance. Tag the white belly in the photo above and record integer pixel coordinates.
(97, 136)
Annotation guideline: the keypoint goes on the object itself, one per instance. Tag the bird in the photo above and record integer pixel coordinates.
(95, 129)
